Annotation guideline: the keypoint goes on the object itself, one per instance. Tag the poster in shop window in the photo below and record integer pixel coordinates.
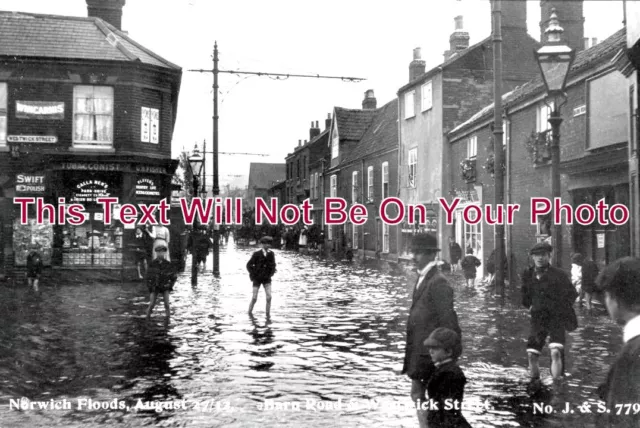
(149, 125)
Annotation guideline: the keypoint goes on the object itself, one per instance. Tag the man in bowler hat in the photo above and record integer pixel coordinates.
(620, 282)
(549, 295)
(261, 267)
(431, 308)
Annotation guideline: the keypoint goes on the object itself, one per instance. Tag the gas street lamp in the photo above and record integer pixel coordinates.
(555, 59)
(196, 160)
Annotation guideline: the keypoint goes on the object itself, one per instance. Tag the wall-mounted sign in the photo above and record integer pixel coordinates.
(151, 169)
(32, 139)
(85, 166)
(30, 183)
(146, 187)
(149, 126)
(90, 190)
(40, 109)
(600, 237)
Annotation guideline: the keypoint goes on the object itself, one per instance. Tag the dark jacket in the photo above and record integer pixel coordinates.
(589, 274)
(447, 386)
(432, 307)
(34, 262)
(261, 268)
(552, 294)
(455, 252)
(623, 387)
(161, 276)
(470, 264)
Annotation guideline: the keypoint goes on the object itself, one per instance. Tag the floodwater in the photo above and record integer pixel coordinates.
(330, 357)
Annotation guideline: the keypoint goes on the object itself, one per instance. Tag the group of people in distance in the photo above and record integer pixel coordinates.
(434, 337)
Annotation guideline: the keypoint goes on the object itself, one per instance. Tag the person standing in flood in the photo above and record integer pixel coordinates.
(160, 280)
(431, 307)
(261, 267)
(455, 253)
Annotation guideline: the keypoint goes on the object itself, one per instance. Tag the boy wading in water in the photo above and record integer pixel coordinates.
(34, 267)
(160, 280)
(261, 267)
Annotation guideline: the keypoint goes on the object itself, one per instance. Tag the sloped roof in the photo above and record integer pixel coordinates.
(381, 134)
(352, 123)
(265, 175)
(583, 60)
(53, 36)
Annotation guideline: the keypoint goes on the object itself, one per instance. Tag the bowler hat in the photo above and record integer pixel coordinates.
(540, 248)
(446, 339)
(161, 248)
(422, 242)
(266, 239)
(577, 259)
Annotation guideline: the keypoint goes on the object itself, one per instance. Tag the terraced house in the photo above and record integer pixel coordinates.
(85, 112)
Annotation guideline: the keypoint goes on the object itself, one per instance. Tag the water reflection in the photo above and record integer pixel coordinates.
(336, 336)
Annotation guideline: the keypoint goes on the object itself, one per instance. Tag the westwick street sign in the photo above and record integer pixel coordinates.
(32, 139)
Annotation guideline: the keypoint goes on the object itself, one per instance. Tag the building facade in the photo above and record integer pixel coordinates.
(85, 112)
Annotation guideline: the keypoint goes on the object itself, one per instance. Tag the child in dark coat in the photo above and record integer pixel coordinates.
(469, 265)
(446, 385)
(34, 267)
(160, 280)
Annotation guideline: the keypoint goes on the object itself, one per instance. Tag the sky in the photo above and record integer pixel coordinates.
(369, 39)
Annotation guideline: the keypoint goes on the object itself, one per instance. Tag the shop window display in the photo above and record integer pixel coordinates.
(32, 233)
(92, 244)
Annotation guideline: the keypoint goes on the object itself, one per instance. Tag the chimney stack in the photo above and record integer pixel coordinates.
(299, 143)
(313, 131)
(369, 102)
(107, 10)
(571, 17)
(327, 121)
(514, 15)
(459, 39)
(417, 66)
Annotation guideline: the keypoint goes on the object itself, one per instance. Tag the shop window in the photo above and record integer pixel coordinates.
(3, 114)
(93, 116)
(26, 236)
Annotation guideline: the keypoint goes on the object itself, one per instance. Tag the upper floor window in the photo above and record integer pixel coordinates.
(370, 184)
(93, 115)
(334, 186)
(3, 114)
(472, 147)
(312, 187)
(385, 180)
(150, 126)
(427, 96)
(354, 187)
(409, 104)
(542, 117)
(413, 166)
(335, 143)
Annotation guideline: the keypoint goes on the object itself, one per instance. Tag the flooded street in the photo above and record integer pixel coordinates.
(330, 357)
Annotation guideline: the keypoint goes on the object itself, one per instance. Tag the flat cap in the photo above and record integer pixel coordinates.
(266, 239)
(540, 248)
(445, 338)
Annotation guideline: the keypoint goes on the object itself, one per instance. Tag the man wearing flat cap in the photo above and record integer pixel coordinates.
(549, 295)
(620, 282)
(431, 308)
(261, 267)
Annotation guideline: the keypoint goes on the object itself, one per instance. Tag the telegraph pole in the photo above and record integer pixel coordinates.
(216, 188)
(498, 151)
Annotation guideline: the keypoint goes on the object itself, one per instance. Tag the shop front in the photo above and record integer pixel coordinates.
(469, 234)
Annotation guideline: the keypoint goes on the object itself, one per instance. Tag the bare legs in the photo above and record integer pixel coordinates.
(152, 304)
(557, 368)
(254, 297)
(33, 282)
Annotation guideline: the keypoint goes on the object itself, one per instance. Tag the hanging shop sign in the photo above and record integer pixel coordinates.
(31, 183)
(90, 190)
(32, 139)
(429, 225)
(40, 109)
(146, 187)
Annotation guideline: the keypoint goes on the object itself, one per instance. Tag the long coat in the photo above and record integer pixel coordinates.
(431, 307)
(447, 383)
(623, 387)
(262, 268)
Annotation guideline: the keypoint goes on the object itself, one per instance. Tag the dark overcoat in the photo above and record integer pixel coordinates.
(261, 268)
(431, 307)
(447, 383)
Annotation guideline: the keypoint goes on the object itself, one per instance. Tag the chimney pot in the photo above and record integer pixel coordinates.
(586, 42)
(327, 121)
(107, 10)
(369, 102)
(417, 66)
(417, 53)
(594, 41)
(459, 22)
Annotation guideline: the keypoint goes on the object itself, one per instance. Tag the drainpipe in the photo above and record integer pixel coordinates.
(364, 249)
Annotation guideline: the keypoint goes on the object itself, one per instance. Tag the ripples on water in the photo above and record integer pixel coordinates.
(337, 336)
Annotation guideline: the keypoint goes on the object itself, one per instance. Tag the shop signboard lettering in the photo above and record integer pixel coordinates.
(151, 169)
(90, 190)
(146, 187)
(39, 109)
(32, 139)
(84, 166)
(30, 183)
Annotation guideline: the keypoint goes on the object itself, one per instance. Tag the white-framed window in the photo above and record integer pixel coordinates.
(427, 96)
(385, 237)
(413, 166)
(409, 104)
(335, 142)
(542, 117)
(3, 114)
(385, 180)
(370, 183)
(150, 125)
(93, 116)
(472, 147)
(354, 187)
(354, 237)
(333, 192)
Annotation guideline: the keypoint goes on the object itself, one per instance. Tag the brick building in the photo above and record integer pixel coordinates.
(85, 112)
(362, 170)
(262, 177)
(593, 156)
(436, 101)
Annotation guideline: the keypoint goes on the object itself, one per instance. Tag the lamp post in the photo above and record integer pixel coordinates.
(195, 163)
(555, 59)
